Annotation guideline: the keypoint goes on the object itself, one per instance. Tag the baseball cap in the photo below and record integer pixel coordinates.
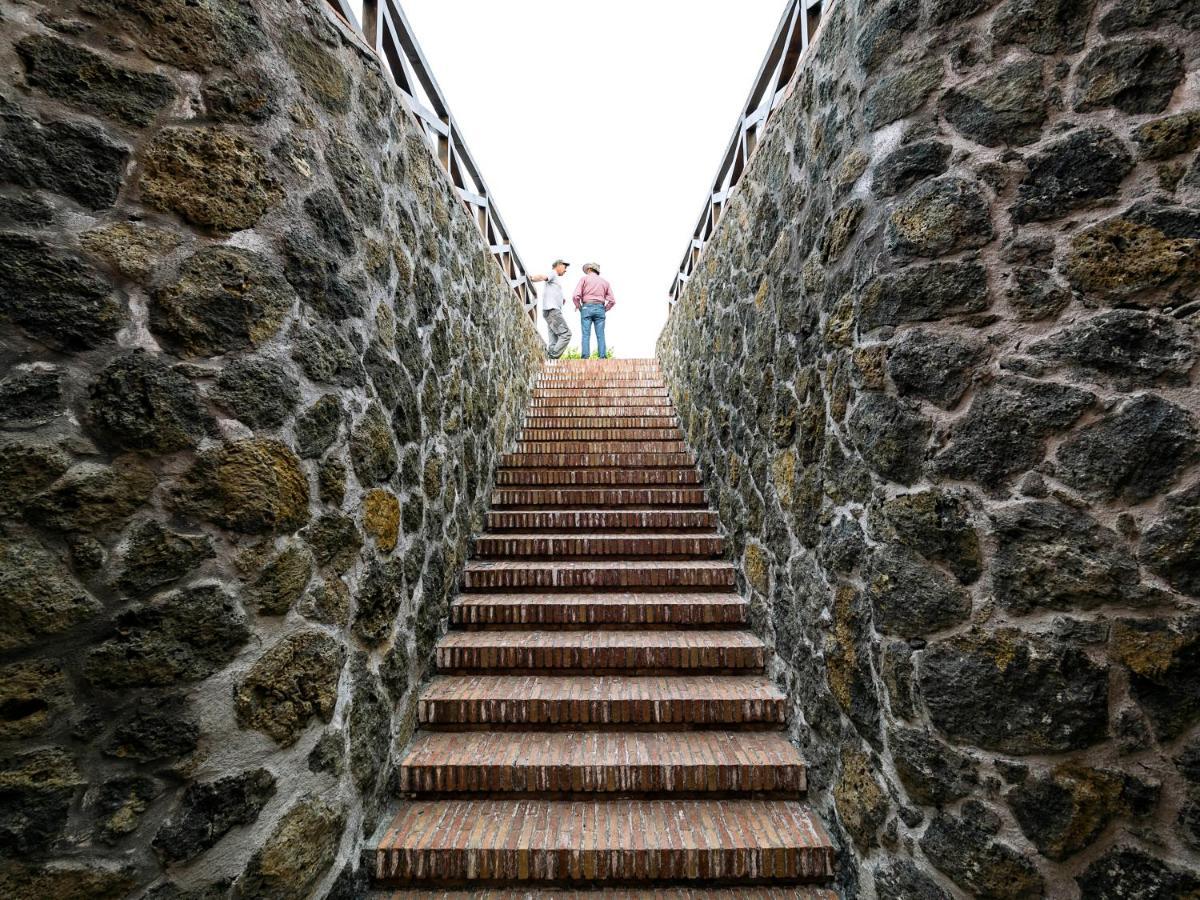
(559, 262)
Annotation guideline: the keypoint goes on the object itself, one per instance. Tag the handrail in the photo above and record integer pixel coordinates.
(386, 30)
(796, 30)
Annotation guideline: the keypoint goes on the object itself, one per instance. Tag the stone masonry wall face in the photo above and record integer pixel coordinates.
(257, 368)
(939, 363)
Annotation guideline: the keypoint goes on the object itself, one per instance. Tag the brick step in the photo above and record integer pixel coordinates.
(601, 762)
(730, 893)
(568, 391)
(592, 411)
(623, 609)
(585, 651)
(570, 477)
(589, 498)
(713, 574)
(587, 399)
(577, 446)
(587, 546)
(601, 700)
(600, 520)
(599, 384)
(616, 840)
(601, 434)
(646, 460)
(534, 423)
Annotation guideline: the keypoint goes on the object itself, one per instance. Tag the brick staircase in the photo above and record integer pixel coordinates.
(601, 723)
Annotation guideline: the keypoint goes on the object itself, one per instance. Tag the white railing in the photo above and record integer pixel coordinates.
(796, 30)
(383, 26)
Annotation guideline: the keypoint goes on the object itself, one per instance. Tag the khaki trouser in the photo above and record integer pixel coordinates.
(560, 334)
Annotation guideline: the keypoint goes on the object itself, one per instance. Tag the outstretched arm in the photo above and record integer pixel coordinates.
(537, 277)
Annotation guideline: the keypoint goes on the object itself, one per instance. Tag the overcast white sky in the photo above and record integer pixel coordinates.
(599, 127)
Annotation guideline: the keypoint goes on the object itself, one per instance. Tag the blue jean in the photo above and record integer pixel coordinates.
(592, 316)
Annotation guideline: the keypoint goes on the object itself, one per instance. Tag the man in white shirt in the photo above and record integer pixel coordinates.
(552, 307)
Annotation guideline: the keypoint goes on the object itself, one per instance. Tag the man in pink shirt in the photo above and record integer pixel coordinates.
(593, 298)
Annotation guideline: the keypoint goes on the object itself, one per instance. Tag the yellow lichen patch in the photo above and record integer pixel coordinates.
(783, 475)
(761, 296)
(381, 518)
(1144, 651)
(839, 326)
(754, 564)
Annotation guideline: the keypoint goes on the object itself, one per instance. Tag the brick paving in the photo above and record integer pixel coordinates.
(601, 724)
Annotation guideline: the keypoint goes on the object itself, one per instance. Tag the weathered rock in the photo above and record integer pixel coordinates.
(1135, 76)
(335, 541)
(120, 804)
(223, 299)
(891, 434)
(1005, 106)
(32, 695)
(91, 497)
(909, 164)
(179, 637)
(1066, 810)
(327, 357)
(190, 34)
(1133, 453)
(940, 217)
(370, 731)
(1168, 136)
(282, 581)
(293, 682)
(932, 773)
(57, 299)
(299, 851)
(249, 98)
(1127, 872)
(1122, 257)
(319, 71)
(357, 182)
(381, 518)
(372, 450)
(986, 868)
(901, 94)
(91, 83)
(38, 596)
(330, 219)
(1033, 294)
(155, 556)
(252, 486)
(67, 880)
(314, 270)
(379, 597)
(884, 32)
(944, 11)
(318, 426)
(1133, 346)
(258, 390)
(1171, 545)
(911, 598)
(1163, 658)
(395, 673)
(862, 805)
(140, 403)
(31, 397)
(1086, 165)
(1004, 431)
(212, 809)
(26, 469)
(935, 368)
(212, 177)
(924, 294)
(132, 249)
(74, 159)
(937, 525)
(26, 210)
(331, 481)
(902, 880)
(1050, 556)
(1054, 26)
(327, 602)
(153, 730)
(36, 789)
(1129, 14)
(1015, 692)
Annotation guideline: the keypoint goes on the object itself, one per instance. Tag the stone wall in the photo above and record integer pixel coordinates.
(257, 368)
(939, 363)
